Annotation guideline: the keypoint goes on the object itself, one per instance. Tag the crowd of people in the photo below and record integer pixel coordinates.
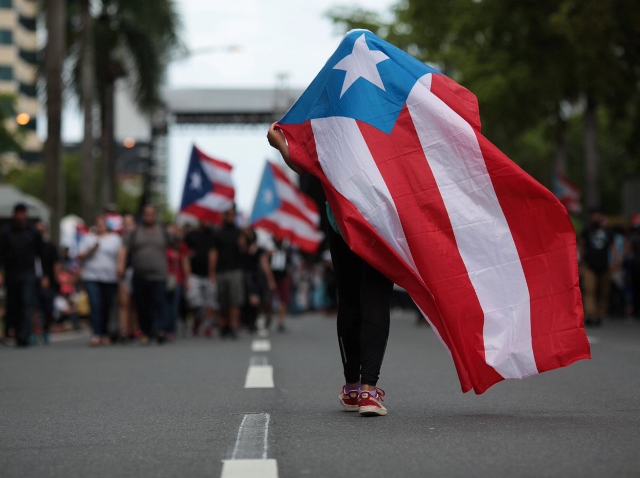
(609, 260)
(143, 281)
(146, 281)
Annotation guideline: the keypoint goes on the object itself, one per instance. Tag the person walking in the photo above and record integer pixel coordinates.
(145, 247)
(127, 317)
(596, 247)
(98, 254)
(364, 297)
(227, 262)
(50, 268)
(20, 246)
(280, 264)
(179, 270)
(201, 296)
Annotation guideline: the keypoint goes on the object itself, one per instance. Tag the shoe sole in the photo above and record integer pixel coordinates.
(372, 411)
(348, 408)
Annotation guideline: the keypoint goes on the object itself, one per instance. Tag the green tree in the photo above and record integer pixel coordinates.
(132, 40)
(55, 52)
(536, 67)
(31, 180)
(9, 137)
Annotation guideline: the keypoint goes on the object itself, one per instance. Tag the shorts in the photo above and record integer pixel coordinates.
(201, 293)
(231, 289)
(284, 289)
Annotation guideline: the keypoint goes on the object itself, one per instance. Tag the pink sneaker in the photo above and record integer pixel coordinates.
(349, 400)
(371, 406)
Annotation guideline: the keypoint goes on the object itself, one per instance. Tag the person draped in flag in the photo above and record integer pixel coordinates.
(364, 297)
(487, 253)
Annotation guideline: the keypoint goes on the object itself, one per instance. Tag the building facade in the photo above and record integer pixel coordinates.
(18, 69)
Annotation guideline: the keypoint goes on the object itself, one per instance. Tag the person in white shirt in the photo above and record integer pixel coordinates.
(99, 256)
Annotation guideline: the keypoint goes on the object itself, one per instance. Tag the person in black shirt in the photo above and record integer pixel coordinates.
(227, 260)
(20, 246)
(201, 295)
(259, 280)
(51, 267)
(595, 245)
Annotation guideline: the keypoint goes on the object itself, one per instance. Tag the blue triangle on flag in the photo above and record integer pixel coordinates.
(197, 183)
(267, 200)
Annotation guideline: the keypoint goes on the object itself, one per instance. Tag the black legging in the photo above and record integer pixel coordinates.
(364, 295)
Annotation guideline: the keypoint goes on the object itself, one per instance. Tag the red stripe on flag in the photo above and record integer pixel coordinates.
(223, 190)
(216, 162)
(308, 203)
(545, 239)
(295, 211)
(430, 237)
(306, 245)
(203, 214)
(458, 98)
(366, 242)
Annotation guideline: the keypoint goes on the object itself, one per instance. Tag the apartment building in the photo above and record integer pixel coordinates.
(18, 70)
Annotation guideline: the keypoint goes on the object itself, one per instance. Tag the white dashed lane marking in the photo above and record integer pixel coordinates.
(260, 373)
(249, 458)
(261, 345)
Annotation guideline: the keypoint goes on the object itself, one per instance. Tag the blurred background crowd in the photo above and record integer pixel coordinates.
(135, 280)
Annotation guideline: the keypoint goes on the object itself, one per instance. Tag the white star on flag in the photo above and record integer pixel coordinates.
(361, 63)
(268, 196)
(196, 181)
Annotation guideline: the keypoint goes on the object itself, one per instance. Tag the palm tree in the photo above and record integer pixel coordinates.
(54, 60)
(87, 96)
(133, 40)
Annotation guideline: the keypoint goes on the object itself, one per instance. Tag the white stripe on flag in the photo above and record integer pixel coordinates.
(215, 202)
(299, 227)
(482, 234)
(288, 194)
(348, 165)
(217, 175)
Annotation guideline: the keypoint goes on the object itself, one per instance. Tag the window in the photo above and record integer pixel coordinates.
(28, 90)
(6, 73)
(6, 37)
(30, 57)
(27, 23)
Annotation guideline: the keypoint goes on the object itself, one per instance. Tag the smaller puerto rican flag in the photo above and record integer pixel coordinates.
(284, 211)
(567, 192)
(208, 188)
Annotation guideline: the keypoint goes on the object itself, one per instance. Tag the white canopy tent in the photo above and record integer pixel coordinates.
(10, 196)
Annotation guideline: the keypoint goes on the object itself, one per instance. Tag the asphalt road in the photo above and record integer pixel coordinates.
(179, 410)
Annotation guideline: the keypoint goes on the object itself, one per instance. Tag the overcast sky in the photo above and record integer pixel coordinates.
(291, 37)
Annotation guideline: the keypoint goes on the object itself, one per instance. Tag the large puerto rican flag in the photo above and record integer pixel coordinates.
(284, 211)
(208, 188)
(486, 252)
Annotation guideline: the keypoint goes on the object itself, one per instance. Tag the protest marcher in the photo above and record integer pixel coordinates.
(98, 254)
(20, 246)
(127, 316)
(364, 296)
(145, 247)
(201, 296)
(179, 270)
(259, 280)
(595, 250)
(280, 264)
(50, 267)
(227, 260)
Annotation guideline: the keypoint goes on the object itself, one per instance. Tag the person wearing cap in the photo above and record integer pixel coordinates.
(20, 246)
